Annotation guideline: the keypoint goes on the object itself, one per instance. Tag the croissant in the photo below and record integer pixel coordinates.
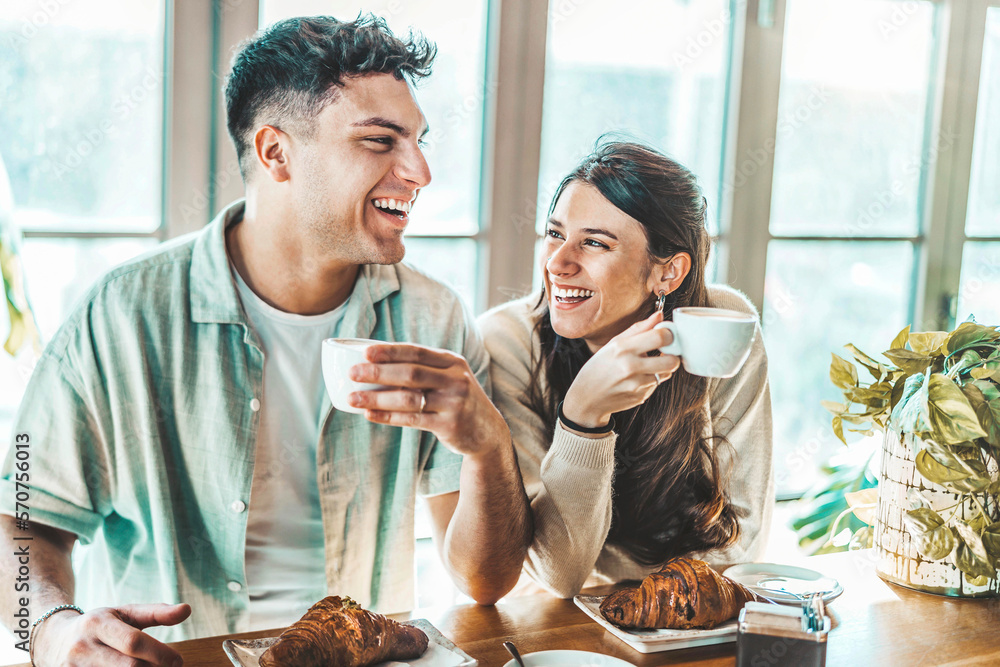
(684, 594)
(337, 632)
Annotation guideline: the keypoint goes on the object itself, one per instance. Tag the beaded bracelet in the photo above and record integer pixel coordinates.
(39, 621)
(584, 429)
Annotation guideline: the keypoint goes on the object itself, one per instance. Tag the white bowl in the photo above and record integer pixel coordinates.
(569, 659)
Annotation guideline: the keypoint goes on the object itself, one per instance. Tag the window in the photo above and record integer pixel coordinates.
(83, 148)
(850, 164)
(980, 283)
(661, 80)
(847, 149)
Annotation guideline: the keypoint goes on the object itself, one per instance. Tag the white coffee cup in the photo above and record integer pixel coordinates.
(711, 342)
(339, 354)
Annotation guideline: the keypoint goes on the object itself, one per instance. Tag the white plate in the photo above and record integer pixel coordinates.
(441, 652)
(570, 659)
(785, 584)
(652, 641)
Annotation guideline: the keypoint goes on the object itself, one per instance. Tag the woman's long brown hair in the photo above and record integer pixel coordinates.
(668, 494)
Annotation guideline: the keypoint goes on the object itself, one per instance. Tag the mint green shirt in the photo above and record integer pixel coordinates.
(143, 415)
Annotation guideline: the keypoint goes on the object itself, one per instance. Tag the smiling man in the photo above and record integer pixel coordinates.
(178, 420)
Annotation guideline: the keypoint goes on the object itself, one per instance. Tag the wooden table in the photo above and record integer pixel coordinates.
(875, 623)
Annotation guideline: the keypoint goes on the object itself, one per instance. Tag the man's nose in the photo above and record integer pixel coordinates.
(412, 167)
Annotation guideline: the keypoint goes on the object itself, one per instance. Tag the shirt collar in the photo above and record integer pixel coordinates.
(213, 291)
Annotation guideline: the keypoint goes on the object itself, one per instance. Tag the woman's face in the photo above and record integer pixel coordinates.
(598, 277)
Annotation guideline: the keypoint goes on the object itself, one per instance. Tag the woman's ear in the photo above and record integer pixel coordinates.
(667, 277)
(270, 146)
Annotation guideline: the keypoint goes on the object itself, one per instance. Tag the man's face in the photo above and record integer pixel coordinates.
(355, 180)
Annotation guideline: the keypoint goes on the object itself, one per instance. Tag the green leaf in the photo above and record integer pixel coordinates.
(856, 419)
(984, 398)
(838, 429)
(991, 542)
(928, 343)
(876, 369)
(916, 499)
(952, 417)
(971, 556)
(969, 334)
(834, 407)
(957, 366)
(986, 374)
(899, 342)
(912, 413)
(978, 480)
(909, 361)
(897, 391)
(930, 536)
(843, 374)
(960, 471)
(862, 539)
(863, 504)
(932, 470)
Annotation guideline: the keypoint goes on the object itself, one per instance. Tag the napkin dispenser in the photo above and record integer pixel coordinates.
(771, 635)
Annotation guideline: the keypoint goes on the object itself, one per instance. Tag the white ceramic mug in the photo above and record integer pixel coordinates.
(711, 342)
(339, 354)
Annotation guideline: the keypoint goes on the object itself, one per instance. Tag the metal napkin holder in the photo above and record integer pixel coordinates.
(775, 635)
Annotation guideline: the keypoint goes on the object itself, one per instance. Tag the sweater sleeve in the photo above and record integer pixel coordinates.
(741, 413)
(567, 477)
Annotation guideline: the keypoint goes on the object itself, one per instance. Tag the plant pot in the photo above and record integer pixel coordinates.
(897, 559)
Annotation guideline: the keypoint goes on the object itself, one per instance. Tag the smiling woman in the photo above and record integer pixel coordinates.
(628, 459)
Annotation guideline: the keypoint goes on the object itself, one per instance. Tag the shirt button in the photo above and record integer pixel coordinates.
(234, 586)
(255, 405)
(238, 506)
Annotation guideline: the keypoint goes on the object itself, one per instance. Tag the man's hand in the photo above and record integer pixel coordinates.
(455, 407)
(108, 637)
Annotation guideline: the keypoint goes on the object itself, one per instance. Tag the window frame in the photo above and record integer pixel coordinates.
(940, 239)
(200, 171)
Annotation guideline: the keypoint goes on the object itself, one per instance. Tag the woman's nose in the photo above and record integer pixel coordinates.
(561, 261)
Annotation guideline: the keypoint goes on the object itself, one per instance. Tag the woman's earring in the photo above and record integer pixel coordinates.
(661, 303)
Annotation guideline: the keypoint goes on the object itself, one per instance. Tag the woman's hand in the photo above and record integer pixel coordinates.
(434, 390)
(620, 375)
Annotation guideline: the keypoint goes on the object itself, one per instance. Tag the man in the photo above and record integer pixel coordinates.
(178, 419)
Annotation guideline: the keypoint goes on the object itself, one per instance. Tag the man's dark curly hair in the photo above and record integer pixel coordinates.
(287, 73)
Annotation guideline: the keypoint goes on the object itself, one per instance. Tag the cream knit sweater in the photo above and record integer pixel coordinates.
(568, 477)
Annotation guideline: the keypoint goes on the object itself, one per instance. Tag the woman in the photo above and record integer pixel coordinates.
(627, 459)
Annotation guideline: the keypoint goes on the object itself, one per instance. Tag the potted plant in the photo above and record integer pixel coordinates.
(937, 523)
(22, 323)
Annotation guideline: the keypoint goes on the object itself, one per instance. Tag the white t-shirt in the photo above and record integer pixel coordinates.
(285, 563)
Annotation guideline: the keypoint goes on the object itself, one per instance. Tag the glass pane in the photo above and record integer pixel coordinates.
(807, 316)
(855, 80)
(984, 190)
(652, 70)
(452, 261)
(452, 98)
(83, 142)
(979, 290)
(57, 273)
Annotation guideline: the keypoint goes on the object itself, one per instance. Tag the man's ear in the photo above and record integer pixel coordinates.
(667, 277)
(271, 149)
